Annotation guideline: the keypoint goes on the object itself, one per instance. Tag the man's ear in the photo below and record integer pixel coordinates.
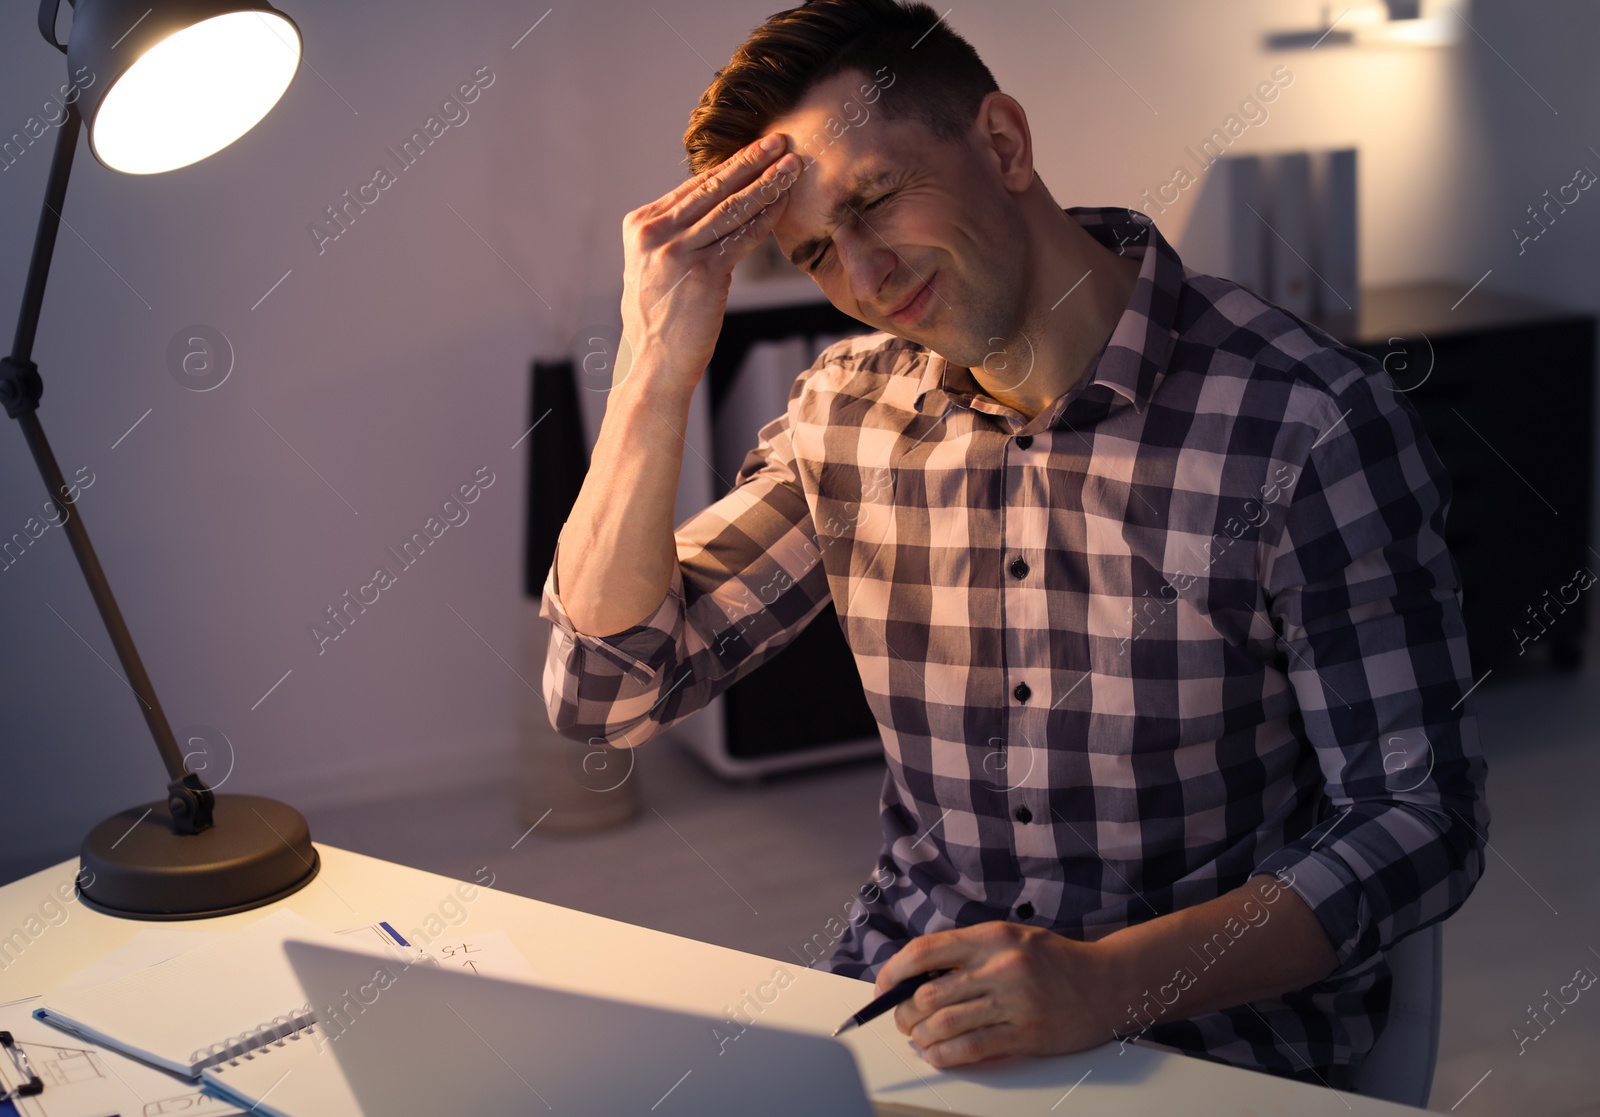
(1001, 134)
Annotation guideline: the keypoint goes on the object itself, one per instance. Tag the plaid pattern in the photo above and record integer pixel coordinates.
(1194, 621)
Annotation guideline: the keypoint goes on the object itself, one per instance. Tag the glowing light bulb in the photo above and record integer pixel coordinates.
(195, 92)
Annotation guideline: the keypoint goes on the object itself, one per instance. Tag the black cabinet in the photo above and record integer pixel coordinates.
(1504, 387)
(806, 704)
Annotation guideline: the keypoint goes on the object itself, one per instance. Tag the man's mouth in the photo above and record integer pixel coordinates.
(915, 305)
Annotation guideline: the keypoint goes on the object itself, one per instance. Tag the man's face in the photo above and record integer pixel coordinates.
(918, 221)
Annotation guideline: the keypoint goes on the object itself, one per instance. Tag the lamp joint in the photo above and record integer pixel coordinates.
(20, 386)
(190, 802)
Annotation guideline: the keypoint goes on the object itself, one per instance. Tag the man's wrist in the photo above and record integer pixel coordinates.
(642, 376)
(1259, 940)
(644, 415)
(1124, 980)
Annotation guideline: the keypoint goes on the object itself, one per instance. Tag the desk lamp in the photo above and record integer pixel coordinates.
(165, 83)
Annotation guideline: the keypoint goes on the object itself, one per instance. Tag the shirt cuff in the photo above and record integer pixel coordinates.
(640, 651)
(1335, 896)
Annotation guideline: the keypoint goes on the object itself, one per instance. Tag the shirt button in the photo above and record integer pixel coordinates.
(1022, 693)
(1025, 911)
(1024, 814)
(1024, 441)
(1019, 567)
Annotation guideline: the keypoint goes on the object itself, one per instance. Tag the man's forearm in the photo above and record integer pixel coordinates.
(1260, 940)
(615, 561)
(617, 554)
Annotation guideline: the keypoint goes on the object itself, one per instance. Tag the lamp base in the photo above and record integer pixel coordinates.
(135, 867)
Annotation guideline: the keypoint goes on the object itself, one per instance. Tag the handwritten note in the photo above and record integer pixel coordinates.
(490, 953)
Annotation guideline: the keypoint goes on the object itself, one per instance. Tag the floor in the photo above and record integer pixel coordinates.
(1534, 919)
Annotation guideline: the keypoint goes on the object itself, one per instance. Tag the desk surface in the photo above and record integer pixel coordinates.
(573, 950)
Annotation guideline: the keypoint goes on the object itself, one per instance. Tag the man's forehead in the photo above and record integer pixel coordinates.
(844, 154)
(830, 195)
(830, 187)
(836, 179)
(871, 146)
(838, 147)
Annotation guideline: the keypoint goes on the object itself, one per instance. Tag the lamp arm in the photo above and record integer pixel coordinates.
(189, 799)
(48, 11)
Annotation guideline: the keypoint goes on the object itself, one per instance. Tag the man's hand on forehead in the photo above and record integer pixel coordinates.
(679, 252)
(784, 168)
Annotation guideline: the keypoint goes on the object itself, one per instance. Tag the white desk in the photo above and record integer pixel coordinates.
(591, 954)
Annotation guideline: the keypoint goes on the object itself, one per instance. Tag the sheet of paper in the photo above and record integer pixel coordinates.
(85, 1080)
(491, 953)
(154, 945)
(384, 935)
(149, 947)
(82, 1080)
(153, 1014)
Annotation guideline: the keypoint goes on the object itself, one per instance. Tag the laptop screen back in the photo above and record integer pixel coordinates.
(426, 1040)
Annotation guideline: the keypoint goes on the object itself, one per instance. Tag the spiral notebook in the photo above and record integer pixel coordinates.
(216, 1004)
(296, 1076)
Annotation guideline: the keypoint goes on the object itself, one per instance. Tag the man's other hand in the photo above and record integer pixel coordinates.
(1014, 989)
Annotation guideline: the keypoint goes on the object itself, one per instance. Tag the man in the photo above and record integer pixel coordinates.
(1144, 577)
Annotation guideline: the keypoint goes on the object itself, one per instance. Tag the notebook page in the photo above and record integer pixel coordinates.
(293, 1077)
(150, 947)
(84, 1080)
(195, 1009)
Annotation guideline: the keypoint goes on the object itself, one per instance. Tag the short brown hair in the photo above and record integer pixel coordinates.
(935, 75)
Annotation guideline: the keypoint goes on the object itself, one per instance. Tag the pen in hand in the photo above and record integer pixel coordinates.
(883, 1004)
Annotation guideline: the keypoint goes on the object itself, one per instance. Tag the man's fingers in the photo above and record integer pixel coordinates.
(748, 154)
(985, 1041)
(942, 950)
(953, 988)
(693, 182)
(745, 238)
(759, 200)
(722, 182)
(953, 1020)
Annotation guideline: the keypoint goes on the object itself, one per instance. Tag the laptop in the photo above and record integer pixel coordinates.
(429, 1040)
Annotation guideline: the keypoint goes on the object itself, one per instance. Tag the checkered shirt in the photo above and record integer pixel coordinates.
(1192, 622)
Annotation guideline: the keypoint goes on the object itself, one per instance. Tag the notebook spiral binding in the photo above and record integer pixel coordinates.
(277, 1032)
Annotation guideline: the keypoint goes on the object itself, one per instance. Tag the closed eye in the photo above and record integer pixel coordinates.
(817, 260)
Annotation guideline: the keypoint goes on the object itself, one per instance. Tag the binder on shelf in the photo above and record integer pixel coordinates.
(1284, 226)
(1226, 234)
(758, 394)
(763, 724)
(1335, 218)
(558, 461)
(1291, 282)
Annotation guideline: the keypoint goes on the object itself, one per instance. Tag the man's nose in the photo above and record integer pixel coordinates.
(868, 262)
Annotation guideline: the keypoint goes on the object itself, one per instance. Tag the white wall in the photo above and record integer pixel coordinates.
(1535, 95)
(395, 362)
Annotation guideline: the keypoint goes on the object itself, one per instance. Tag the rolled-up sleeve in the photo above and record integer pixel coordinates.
(748, 579)
(1367, 605)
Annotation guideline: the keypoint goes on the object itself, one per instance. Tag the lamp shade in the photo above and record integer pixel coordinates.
(166, 83)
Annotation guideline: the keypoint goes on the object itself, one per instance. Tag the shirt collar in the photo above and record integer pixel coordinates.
(1135, 357)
